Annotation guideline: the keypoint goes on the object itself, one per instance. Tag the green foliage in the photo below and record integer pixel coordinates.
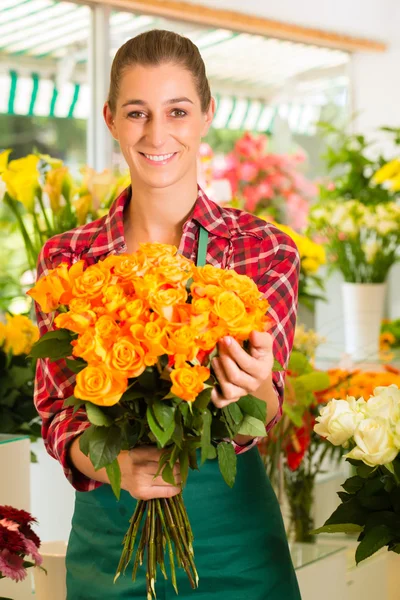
(17, 411)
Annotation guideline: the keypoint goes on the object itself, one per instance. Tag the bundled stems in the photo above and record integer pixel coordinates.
(166, 526)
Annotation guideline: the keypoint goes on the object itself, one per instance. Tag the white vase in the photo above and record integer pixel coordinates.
(51, 586)
(363, 307)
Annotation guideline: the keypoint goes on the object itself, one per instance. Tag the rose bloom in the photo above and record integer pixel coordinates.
(100, 385)
(188, 381)
(338, 420)
(374, 443)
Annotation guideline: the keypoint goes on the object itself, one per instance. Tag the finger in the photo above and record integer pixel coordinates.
(163, 492)
(220, 401)
(253, 366)
(228, 389)
(261, 343)
(236, 376)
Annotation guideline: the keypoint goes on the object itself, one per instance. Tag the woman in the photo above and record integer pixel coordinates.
(158, 109)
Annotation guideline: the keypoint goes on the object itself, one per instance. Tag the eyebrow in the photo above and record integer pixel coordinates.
(171, 101)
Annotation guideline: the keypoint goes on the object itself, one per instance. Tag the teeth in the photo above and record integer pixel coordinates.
(158, 158)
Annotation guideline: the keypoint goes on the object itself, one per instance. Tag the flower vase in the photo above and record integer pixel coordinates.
(299, 488)
(363, 308)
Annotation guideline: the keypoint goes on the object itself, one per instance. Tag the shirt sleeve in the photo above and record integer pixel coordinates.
(54, 382)
(279, 266)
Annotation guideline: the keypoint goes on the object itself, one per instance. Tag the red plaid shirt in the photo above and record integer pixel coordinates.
(237, 240)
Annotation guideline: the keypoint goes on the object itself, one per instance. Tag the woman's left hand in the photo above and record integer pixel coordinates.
(240, 372)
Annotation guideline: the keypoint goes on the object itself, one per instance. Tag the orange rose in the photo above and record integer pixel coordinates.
(90, 283)
(182, 340)
(208, 340)
(154, 250)
(77, 322)
(204, 291)
(208, 275)
(126, 356)
(155, 337)
(100, 385)
(106, 333)
(188, 382)
(79, 305)
(85, 346)
(55, 288)
(242, 285)
(133, 309)
(174, 269)
(127, 266)
(230, 308)
(146, 286)
(201, 305)
(164, 300)
(114, 298)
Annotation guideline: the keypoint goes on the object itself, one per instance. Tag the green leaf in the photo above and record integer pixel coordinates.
(254, 407)
(353, 484)
(54, 345)
(365, 471)
(314, 382)
(373, 540)
(338, 528)
(205, 435)
(96, 416)
(84, 439)
(276, 367)
(75, 365)
(104, 445)
(168, 475)
(163, 413)
(294, 413)
(19, 375)
(193, 460)
(114, 475)
(252, 426)
(235, 413)
(132, 394)
(184, 463)
(161, 436)
(350, 512)
(212, 453)
(148, 380)
(203, 399)
(299, 363)
(227, 461)
(73, 401)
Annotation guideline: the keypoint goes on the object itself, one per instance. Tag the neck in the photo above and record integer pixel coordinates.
(158, 215)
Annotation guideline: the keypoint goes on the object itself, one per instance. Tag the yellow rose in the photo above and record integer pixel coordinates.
(90, 283)
(188, 381)
(107, 332)
(74, 321)
(208, 275)
(164, 300)
(126, 356)
(100, 385)
(79, 305)
(20, 334)
(201, 305)
(174, 269)
(146, 286)
(230, 308)
(242, 285)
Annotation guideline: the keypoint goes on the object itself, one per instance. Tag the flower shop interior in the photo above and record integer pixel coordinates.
(306, 135)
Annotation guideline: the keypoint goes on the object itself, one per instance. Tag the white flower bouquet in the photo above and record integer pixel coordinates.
(362, 241)
(370, 430)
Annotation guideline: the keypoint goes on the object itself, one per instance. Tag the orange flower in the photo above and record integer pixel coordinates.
(79, 305)
(106, 333)
(230, 309)
(241, 285)
(100, 385)
(182, 340)
(155, 337)
(126, 356)
(147, 286)
(208, 340)
(134, 310)
(201, 305)
(54, 289)
(208, 275)
(74, 321)
(204, 291)
(188, 381)
(85, 346)
(114, 298)
(127, 266)
(164, 300)
(90, 283)
(154, 250)
(174, 269)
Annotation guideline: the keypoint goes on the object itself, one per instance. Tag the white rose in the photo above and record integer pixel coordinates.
(385, 404)
(338, 421)
(374, 443)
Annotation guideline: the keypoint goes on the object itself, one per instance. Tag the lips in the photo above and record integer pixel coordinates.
(158, 159)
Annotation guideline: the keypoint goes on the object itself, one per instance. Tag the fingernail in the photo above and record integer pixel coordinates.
(228, 340)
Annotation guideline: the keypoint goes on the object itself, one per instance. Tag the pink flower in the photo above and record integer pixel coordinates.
(32, 550)
(250, 146)
(247, 171)
(11, 565)
(265, 190)
(252, 198)
(331, 186)
(342, 236)
(297, 211)
(10, 525)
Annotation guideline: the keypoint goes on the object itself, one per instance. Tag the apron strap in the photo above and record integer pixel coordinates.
(202, 248)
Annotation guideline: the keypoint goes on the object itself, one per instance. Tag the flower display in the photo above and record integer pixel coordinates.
(356, 383)
(369, 429)
(361, 241)
(19, 544)
(266, 183)
(17, 411)
(140, 331)
(46, 199)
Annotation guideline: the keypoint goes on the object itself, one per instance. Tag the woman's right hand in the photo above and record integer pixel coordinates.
(138, 469)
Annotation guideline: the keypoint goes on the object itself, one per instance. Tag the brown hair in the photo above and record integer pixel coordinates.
(154, 48)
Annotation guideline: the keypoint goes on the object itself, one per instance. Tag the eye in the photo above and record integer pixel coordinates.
(178, 112)
(137, 114)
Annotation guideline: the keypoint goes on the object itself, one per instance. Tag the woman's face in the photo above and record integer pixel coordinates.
(159, 123)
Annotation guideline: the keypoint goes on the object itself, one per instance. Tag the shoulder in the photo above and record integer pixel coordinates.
(256, 231)
(70, 243)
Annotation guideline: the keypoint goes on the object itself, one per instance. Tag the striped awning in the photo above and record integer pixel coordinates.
(44, 51)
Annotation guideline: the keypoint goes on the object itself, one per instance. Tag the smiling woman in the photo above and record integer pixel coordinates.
(159, 108)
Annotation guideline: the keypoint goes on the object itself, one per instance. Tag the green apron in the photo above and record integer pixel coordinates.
(240, 544)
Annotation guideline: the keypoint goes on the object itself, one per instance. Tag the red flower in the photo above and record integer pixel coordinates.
(30, 535)
(13, 514)
(11, 540)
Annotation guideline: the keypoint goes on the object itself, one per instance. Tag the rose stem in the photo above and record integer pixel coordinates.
(175, 537)
(169, 543)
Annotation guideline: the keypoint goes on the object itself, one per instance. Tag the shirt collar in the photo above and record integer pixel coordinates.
(110, 237)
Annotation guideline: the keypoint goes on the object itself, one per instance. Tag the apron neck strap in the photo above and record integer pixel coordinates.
(202, 248)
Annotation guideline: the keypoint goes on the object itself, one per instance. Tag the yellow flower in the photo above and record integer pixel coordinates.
(395, 184)
(82, 205)
(387, 172)
(20, 334)
(100, 385)
(188, 381)
(310, 265)
(4, 160)
(22, 180)
(98, 185)
(53, 187)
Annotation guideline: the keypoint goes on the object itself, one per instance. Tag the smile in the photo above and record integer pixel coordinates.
(160, 159)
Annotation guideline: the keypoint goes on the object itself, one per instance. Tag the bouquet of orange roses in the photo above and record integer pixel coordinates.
(140, 332)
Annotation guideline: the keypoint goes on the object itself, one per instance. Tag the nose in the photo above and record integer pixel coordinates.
(156, 131)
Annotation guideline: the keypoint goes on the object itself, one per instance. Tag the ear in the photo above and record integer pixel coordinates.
(109, 120)
(209, 116)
